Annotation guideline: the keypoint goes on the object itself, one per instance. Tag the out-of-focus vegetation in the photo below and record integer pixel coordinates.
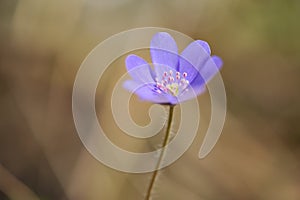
(42, 44)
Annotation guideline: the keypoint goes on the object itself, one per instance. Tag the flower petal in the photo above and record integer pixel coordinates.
(218, 61)
(211, 67)
(191, 92)
(131, 85)
(205, 45)
(193, 58)
(139, 69)
(198, 81)
(146, 92)
(164, 51)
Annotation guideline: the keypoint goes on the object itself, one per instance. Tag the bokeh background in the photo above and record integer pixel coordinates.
(42, 44)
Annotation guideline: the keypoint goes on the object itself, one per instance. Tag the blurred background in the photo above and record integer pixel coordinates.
(42, 44)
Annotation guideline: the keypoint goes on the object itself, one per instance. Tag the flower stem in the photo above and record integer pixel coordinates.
(165, 141)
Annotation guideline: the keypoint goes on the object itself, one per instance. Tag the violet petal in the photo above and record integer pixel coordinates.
(191, 93)
(193, 58)
(146, 92)
(211, 68)
(164, 52)
(139, 69)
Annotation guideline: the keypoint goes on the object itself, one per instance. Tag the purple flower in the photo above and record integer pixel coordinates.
(175, 78)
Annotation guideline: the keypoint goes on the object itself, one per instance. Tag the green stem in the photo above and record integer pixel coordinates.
(166, 139)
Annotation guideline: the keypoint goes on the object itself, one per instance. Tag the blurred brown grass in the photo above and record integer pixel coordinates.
(42, 46)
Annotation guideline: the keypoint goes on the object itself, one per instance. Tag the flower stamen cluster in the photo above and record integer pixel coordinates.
(171, 83)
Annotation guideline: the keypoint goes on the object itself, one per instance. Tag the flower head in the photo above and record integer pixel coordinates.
(175, 78)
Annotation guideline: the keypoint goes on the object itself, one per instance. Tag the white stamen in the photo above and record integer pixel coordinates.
(170, 84)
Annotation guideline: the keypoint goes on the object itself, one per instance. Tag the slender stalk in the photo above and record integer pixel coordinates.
(165, 141)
